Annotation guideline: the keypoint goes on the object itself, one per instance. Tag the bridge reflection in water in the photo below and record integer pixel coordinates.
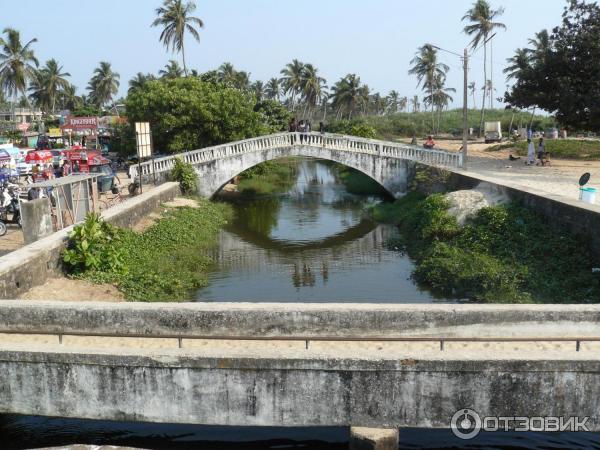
(314, 243)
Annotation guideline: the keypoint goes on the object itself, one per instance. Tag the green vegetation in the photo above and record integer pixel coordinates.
(185, 174)
(507, 254)
(393, 126)
(187, 113)
(168, 262)
(357, 182)
(269, 178)
(561, 148)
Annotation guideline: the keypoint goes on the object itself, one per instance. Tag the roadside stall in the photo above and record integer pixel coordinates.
(91, 162)
(41, 162)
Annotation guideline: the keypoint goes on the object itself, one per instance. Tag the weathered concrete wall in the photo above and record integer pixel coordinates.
(285, 386)
(279, 390)
(393, 174)
(301, 320)
(37, 222)
(33, 264)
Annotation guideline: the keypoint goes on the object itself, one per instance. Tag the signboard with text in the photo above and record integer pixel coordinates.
(81, 123)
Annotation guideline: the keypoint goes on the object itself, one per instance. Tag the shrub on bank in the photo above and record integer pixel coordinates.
(506, 254)
(169, 261)
(185, 175)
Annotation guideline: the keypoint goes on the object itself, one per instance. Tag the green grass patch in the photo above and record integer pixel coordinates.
(169, 261)
(393, 126)
(587, 150)
(507, 254)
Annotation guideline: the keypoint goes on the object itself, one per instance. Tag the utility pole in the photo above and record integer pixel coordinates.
(465, 109)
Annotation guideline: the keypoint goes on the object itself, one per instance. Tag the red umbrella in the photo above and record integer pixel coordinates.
(38, 156)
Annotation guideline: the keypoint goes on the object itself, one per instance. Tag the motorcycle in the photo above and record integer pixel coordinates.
(9, 204)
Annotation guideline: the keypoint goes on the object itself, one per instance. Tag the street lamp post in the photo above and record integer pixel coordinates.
(465, 58)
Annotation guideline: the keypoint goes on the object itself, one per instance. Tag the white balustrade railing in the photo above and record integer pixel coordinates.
(327, 141)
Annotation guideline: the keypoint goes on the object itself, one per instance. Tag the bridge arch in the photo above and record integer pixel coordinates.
(392, 174)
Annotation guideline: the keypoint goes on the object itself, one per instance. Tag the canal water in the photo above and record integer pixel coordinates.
(313, 243)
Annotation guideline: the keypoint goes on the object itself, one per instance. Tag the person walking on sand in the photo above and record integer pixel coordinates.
(530, 153)
(541, 151)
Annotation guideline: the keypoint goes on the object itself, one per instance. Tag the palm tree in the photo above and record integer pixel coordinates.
(393, 102)
(258, 88)
(403, 104)
(17, 64)
(103, 85)
(313, 87)
(439, 97)
(481, 17)
(172, 70)
(488, 89)
(242, 80)
(139, 81)
(175, 18)
(47, 84)
(273, 89)
(227, 74)
(472, 88)
(429, 71)
(69, 98)
(541, 46)
(293, 80)
(347, 95)
(416, 106)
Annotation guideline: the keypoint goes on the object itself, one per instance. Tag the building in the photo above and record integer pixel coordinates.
(21, 116)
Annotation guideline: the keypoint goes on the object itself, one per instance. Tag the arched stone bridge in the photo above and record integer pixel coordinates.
(388, 163)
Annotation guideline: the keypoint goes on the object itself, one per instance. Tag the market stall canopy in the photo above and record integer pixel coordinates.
(80, 154)
(39, 156)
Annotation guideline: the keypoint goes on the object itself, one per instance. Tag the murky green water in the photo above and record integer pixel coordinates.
(313, 243)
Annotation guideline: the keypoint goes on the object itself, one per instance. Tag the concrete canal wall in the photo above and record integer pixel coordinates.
(283, 386)
(33, 264)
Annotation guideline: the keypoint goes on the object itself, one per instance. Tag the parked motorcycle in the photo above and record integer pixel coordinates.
(9, 205)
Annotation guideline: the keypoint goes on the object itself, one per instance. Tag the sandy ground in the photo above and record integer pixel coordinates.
(316, 349)
(66, 289)
(560, 178)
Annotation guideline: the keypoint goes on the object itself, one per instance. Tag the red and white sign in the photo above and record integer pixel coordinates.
(81, 123)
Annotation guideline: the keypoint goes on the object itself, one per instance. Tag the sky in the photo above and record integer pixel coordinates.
(375, 39)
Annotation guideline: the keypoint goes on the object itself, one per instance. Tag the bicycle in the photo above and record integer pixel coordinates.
(111, 198)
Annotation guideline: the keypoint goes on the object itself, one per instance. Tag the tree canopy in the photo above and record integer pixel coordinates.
(187, 113)
(561, 72)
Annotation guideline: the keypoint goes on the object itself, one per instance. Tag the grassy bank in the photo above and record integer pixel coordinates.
(507, 254)
(398, 125)
(563, 148)
(269, 178)
(167, 262)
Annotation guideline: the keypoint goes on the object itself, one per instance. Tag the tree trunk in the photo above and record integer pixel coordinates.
(183, 57)
(532, 116)
(484, 89)
(512, 119)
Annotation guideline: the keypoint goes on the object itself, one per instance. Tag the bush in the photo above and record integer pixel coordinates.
(505, 254)
(185, 174)
(93, 246)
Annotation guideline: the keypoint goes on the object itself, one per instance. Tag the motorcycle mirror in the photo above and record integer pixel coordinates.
(585, 178)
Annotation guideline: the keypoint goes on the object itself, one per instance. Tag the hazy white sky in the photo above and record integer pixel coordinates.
(374, 38)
